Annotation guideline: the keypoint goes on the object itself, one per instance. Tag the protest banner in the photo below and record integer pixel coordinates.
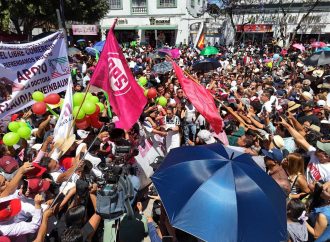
(41, 65)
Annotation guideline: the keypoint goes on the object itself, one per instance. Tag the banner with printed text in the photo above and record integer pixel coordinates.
(41, 65)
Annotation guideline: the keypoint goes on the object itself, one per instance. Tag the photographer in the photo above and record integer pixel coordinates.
(172, 127)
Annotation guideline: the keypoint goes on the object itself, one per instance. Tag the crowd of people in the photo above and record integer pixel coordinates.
(278, 113)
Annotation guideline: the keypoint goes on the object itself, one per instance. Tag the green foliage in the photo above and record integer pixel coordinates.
(30, 14)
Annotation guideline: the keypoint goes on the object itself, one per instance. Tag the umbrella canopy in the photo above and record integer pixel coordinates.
(206, 65)
(299, 47)
(73, 51)
(318, 44)
(92, 51)
(318, 59)
(218, 194)
(99, 45)
(209, 50)
(323, 49)
(174, 53)
(163, 67)
(156, 55)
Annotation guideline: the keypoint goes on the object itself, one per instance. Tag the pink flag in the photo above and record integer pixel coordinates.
(200, 98)
(113, 75)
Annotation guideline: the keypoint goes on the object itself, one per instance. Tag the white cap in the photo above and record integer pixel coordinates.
(321, 103)
(36, 146)
(206, 136)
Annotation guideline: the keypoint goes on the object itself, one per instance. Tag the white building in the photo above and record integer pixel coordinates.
(153, 22)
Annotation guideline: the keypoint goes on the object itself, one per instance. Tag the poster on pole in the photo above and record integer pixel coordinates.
(41, 65)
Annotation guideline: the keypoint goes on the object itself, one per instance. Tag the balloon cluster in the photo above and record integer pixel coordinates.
(152, 93)
(87, 111)
(18, 130)
(40, 107)
(142, 81)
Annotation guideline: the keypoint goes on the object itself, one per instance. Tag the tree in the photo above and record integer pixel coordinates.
(26, 15)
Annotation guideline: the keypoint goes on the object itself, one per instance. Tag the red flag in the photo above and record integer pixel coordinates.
(113, 75)
(200, 98)
(201, 42)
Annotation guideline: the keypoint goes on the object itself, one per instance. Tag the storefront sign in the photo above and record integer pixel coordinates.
(293, 19)
(84, 29)
(122, 21)
(257, 28)
(154, 21)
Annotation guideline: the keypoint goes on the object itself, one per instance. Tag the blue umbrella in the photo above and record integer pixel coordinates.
(218, 194)
(99, 45)
(322, 49)
(92, 51)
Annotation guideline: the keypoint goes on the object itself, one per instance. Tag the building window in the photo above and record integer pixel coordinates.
(192, 3)
(166, 3)
(116, 4)
(139, 6)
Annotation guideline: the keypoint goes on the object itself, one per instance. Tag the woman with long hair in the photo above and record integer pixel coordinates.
(294, 164)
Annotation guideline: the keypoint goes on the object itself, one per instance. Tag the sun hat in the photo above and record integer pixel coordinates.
(278, 142)
(318, 73)
(307, 96)
(292, 105)
(324, 147)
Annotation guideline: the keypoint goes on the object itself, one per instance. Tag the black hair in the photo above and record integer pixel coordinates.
(312, 137)
(249, 140)
(44, 162)
(72, 234)
(256, 106)
(75, 216)
(295, 209)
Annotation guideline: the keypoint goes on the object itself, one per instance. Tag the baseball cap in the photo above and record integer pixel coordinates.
(321, 103)
(8, 164)
(9, 208)
(38, 185)
(278, 141)
(324, 147)
(38, 171)
(274, 154)
(206, 136)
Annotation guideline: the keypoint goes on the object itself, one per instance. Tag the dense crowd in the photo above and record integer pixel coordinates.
(278, 113)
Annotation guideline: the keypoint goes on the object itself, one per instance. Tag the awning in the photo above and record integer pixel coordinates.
(158, 27)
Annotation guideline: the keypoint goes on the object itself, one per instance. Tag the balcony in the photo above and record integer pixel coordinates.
(139, 10)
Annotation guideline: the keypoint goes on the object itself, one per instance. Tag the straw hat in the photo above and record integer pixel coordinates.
(324, 85)
(292, 105)
(310, 68)
(318, 73)
(307, 96)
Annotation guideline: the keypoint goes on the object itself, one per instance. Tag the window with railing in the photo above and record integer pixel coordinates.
(139, 6)
(166, 3)
(115, 4)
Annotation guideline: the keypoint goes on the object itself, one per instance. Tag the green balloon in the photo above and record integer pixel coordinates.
(162, 101)
(79, 115)
(23, 124)
(101, 106)
(89, 107)
(94, 99)
(78, 98)
(143, 81)
(11, 139)
(38, 96)
(89, 95)
(24, 132)
(14, 126)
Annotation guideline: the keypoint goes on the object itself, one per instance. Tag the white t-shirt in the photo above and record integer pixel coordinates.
(315, 170)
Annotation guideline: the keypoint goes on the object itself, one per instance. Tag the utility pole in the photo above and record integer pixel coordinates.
(61, 21)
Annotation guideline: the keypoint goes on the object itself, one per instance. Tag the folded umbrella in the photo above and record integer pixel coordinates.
(163, 67)
(206, 65)
(318, 59)
(218, 194)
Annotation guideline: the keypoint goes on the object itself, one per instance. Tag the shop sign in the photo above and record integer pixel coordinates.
(84, 30)
(293, 19)
(154, 21)
(122, 21)
(257, 28)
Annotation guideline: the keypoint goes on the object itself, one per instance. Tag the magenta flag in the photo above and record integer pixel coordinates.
(113, 75)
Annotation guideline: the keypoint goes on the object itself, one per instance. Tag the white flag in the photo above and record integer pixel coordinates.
(64, 126)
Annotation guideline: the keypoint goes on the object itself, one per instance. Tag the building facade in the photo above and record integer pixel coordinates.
(154, 22)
